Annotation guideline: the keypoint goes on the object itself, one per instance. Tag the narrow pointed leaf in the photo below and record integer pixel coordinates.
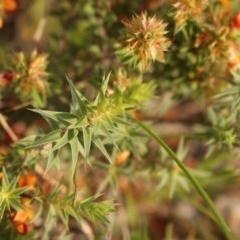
(53, 160)
(63, 216)
(79, 123)
(79, 102)
(183, 182)
(46, 113)
(81, 149)
(163, 179)
(48, 138)
(87, 138)
(101, 94)
(65, 116)
(5, 181)
(172, 186)
(66, 138)
(72, 212)
(105, 128)
(101, 147)
(53, 123)
(26, 141)
(105, 83)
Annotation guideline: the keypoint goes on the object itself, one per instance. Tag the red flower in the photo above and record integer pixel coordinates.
(7, 76)
(236, 21)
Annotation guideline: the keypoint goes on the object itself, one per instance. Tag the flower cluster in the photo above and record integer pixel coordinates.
(28, 77)
(31, 73)
(145, 38)
(223, 42)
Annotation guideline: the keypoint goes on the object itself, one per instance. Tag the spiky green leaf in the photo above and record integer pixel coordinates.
(52, 136)
(66, 138)
(98, 142)
(79, 102)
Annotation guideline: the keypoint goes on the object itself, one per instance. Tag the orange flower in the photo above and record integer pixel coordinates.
(226, 5)
(122, 157)
(26, 214)
(28, 180)
(234, 60)
(138, 115)
(10, 6)
(21, 217)
(21, 228)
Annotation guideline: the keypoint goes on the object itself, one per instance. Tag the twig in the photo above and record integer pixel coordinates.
(40, 29)
(218, 218)
(7, 128)
(17, 107)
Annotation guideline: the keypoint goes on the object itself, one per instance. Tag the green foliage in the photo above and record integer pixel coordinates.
(95, 211)
(173, 76)
(68, 206)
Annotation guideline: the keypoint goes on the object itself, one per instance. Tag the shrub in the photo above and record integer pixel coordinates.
(116, 115)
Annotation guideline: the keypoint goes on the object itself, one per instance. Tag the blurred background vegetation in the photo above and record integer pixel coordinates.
(195, 108)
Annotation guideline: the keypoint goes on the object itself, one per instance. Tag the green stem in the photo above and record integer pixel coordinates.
(219, 219)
